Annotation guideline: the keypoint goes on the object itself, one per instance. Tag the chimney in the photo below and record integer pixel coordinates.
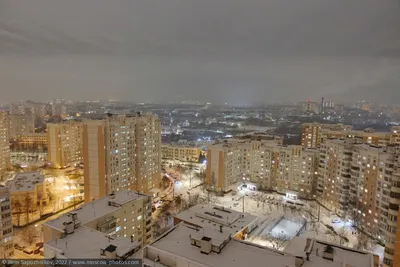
(132, 239)
(220, 228)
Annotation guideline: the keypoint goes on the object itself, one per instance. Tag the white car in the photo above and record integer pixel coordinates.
(335, 221)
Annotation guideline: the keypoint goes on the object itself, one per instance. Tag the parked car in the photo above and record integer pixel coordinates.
(335, 221)
(28, 251)
(39, 245)
(37, 251)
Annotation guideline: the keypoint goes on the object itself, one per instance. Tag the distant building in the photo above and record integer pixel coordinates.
(20, 125)
(33, 140)
(309, 107)
(65, 143)
(182, 153)
(313, 134)
(121, 152)
(6, 227)
(122, 219)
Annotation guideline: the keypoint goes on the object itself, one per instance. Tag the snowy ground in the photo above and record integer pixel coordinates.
(285, 229)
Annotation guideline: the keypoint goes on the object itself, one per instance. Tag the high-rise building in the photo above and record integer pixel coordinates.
(122, 220)
(263, 164)
(6, 227)
(4, 143)
(65, 143)
(360, 182)
(121, 152)
(21, 124)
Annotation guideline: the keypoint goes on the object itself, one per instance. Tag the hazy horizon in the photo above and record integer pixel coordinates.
(240, 52)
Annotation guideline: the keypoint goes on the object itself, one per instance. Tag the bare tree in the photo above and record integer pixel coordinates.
(17, 208)
(41, 205)
(28, 201)
(29, 235)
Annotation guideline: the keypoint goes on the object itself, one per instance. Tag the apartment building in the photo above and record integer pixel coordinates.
(121, 152)
(65, 143)
(4, 143)
(33, 140)
(361, 183)
(313, 134)
(21, 124)
(182, 153)
(264, 164)
(123, 218)
(6, 227)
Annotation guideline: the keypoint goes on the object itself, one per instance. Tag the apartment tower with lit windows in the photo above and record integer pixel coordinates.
(121, 152)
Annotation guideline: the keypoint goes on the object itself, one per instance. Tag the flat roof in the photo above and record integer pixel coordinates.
(211, 215)
(25, 181)
(235, 253)
(96, 209)
(86, 243)
(343, 256)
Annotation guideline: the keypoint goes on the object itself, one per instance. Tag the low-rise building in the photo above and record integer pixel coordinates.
(27, 191)
(236, 223)
(182, 153)
(33, 140)
(123, 214)
(6, 227)
(81, 242)
(188, 245)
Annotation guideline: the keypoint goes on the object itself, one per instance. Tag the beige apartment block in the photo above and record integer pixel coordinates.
(314, 134)
(6, 227)
(121, 152)
(182, 153)
(65, 143)
(122, 219)
(4, 143)
(21, 124)
(263, 164)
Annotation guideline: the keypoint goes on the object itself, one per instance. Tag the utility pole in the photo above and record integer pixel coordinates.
(319, 211)
(243, 204)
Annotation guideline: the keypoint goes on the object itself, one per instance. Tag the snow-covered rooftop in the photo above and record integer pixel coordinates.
(214, 216)
(25, 181)
(86, 243)
(96, 209)
(342, 256)
(235, 253)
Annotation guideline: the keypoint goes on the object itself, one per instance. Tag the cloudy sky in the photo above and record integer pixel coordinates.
(236, 51)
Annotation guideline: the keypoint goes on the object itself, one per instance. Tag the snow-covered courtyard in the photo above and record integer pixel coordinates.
(285, 229)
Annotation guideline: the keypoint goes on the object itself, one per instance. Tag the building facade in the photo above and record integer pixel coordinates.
(125, 214)
(313, 134)
(121, 152)
(263, 164)
(360, 182)
(182, 153)
(21, 124)
(6, 227)
(65, 143)
(33, 140)
(4, 143)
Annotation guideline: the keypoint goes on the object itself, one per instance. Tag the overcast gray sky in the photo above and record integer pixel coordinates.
(236, 51)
